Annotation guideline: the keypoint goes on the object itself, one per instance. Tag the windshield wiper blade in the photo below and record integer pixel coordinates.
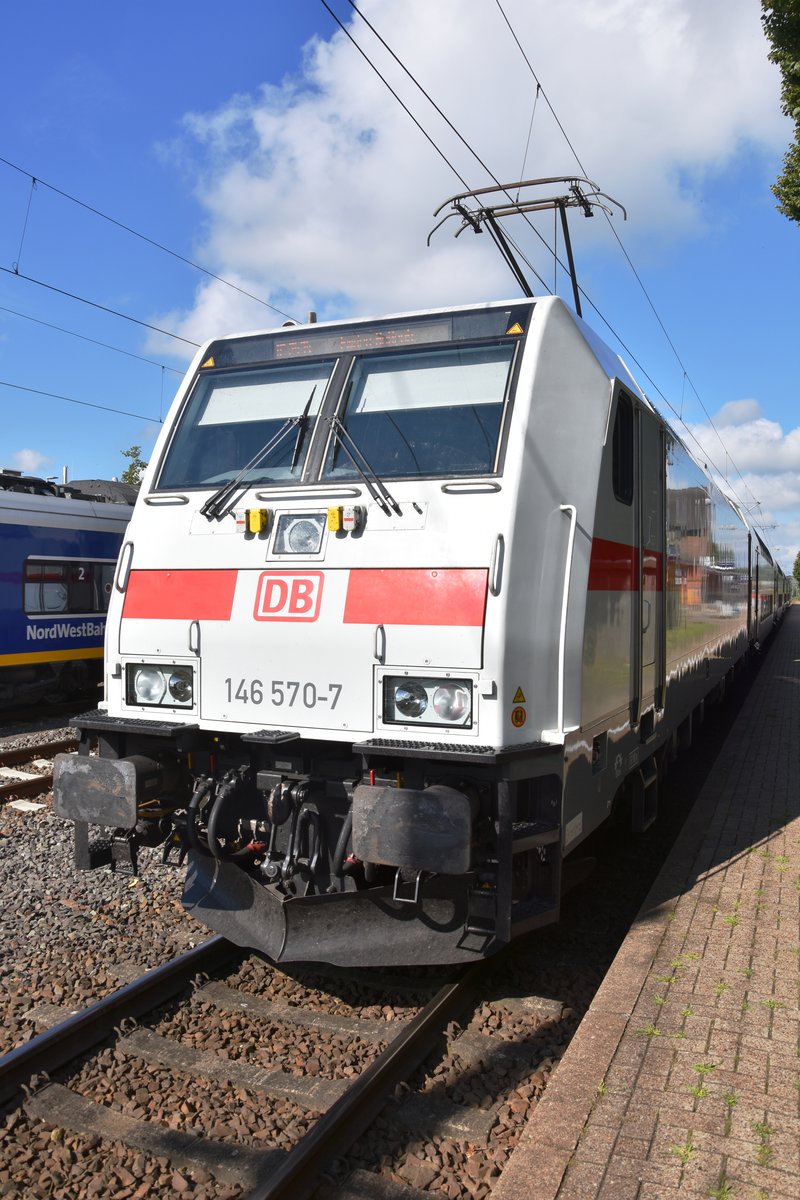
(375, 485)
(302, 426)
(218, 505)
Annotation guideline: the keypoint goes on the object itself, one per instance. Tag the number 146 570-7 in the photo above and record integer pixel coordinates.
(282, 692)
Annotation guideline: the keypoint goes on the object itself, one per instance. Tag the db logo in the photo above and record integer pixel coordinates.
(288, 597)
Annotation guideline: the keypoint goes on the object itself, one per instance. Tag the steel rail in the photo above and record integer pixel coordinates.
(33, 785)
(334, 1133)
(69, 1039)
(10, 758)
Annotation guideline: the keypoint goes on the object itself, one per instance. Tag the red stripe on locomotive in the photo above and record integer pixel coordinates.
(180, 595)
(416, 597)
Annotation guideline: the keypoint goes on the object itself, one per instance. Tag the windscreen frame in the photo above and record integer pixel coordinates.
(231, 356)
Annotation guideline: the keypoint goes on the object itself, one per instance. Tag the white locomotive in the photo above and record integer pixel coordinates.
(404, 606)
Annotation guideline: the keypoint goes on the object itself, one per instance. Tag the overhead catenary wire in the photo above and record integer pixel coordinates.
(85, 338)
(463, 140)
(479, 160)
(386, 84)
(101, 307)
(83, 403)
(36, 181)
(540, 90)
(437, 108)
(686, 377)
(25, 223)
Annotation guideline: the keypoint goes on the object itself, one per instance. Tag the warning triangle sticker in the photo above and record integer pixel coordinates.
(519, 697)
(208, 363)
(515, 328)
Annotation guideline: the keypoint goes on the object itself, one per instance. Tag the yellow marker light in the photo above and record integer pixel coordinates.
(256, 519)
(335, 520)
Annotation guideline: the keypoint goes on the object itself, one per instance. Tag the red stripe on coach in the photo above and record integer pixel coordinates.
(180, 595)
(614, 567)
(416, 597)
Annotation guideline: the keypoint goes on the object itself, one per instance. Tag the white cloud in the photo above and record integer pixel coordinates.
(736, 412)
(319, 192)
(759, 446)
(29, 461)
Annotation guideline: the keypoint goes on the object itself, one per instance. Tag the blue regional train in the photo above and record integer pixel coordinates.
(58, 550)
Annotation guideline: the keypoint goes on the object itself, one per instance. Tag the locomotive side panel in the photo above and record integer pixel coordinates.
(564, 404)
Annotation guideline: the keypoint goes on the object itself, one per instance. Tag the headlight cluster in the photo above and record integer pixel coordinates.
(423, 701)
(159, 686)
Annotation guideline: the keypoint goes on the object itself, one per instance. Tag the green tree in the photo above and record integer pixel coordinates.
(796, 567)
(781, 21)
(136, 467)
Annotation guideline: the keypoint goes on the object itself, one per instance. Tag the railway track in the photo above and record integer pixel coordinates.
(28, 771)
(389, 1052)
(68, 1038)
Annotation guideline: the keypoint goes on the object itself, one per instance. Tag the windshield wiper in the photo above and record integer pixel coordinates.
(302, 426)
(220, 503)
(375, 485)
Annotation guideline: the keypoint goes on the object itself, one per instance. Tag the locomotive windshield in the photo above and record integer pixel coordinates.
(418, 411)
(424, 413)
(231, 415)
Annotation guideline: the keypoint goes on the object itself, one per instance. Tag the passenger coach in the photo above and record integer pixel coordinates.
(58, 551)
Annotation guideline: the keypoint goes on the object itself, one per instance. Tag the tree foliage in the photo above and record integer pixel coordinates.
(135, 468)
(796, 568)
(781, 21)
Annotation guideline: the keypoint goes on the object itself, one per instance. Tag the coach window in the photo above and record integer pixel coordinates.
(45, 588)
(622, 450)
(67, 587)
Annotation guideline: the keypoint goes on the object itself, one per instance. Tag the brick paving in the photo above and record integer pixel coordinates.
(683, 1080)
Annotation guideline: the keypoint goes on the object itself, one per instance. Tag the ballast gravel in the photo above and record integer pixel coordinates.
(69, 937)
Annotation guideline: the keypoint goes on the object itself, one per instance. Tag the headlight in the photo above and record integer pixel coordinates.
(423, 701)
(411, 699)
(300, 533)
(452, 702)
(180, 686)
(149, 685)
(156, 686)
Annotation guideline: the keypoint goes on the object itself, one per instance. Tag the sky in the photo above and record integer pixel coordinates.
(176, 171)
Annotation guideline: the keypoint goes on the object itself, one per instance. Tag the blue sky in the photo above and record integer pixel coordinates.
(254, 140)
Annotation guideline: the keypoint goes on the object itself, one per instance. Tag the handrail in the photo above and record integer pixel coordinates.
(124, 567)
(557, 735)
(496, 568)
